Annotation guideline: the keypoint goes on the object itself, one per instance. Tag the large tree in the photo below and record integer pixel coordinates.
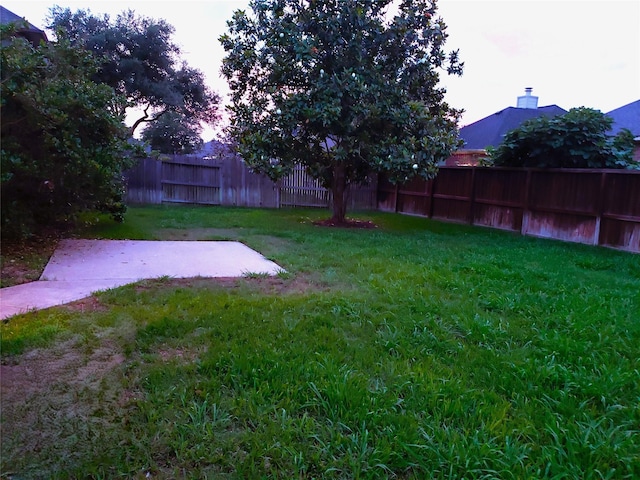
(173, 134)
(139, 60)
(577, 139)
(344, 87)
(63, 151)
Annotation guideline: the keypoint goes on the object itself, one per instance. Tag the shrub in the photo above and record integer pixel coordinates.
(577, 139)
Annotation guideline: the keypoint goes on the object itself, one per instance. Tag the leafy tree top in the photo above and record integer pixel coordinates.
(345, 87)
(577, 139)
(139, 60)
(173, 134)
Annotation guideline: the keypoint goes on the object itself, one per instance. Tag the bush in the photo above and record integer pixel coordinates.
(63, 152)
(577, 139)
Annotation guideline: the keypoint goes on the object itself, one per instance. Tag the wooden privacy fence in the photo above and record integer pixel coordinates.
(199, 180)
(185, 182)
(299, 189)
(226, 180)
(598, 207)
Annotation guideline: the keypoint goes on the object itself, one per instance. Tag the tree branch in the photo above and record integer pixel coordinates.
(146, 118)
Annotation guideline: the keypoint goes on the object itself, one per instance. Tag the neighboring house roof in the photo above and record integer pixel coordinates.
(26, 30)
(490, 130)
(627, 116)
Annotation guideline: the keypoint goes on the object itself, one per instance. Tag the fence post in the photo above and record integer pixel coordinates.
(526, 212)
(472, 196)
(395, 198)
(432, 189)
(600, 208)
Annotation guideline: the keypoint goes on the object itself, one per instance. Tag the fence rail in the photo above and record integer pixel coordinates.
(299, 189)
(598, 207)
(228, 181)
(194, 181)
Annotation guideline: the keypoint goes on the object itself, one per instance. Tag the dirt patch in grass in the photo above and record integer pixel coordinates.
(269, 285)
(168, 354)
(347, 223)
(198, 234)
(23, 262)
(276, 285)
(53, 398)
(39, 370)
(16, 272)
(87, 305)
(299, 284)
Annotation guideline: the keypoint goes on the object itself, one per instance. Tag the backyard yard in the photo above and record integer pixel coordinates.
(416, 349)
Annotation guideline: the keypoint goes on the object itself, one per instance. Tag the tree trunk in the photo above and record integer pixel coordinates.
(339, 191)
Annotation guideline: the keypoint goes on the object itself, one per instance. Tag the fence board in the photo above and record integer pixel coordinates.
(243, 188)
(299, 189)
(562, 204)
(364, 197)
(499, 198)
(600, 207)
(226, 180)
(452, 194)
(143, 182)
(565, 190)
(415, 197)
(190, 180)
(620, 210)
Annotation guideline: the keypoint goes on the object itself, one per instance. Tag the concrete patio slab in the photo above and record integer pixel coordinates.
(79, 268)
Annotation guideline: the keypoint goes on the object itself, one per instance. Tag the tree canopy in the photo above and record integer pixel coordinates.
(62, 150)
(344, 87)
(577, 139)
(173, 134)
(139, 60)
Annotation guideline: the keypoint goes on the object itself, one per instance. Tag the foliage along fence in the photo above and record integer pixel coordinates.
(226, 180)
(598, 207)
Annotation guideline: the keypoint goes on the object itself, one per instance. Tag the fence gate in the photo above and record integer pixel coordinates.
(190, 180)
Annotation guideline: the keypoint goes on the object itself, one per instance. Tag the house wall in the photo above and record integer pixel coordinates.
(465, 158)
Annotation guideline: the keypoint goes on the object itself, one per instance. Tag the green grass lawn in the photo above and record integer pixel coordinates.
(415, 350)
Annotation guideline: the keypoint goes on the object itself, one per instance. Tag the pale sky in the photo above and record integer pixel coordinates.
(572, 53)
